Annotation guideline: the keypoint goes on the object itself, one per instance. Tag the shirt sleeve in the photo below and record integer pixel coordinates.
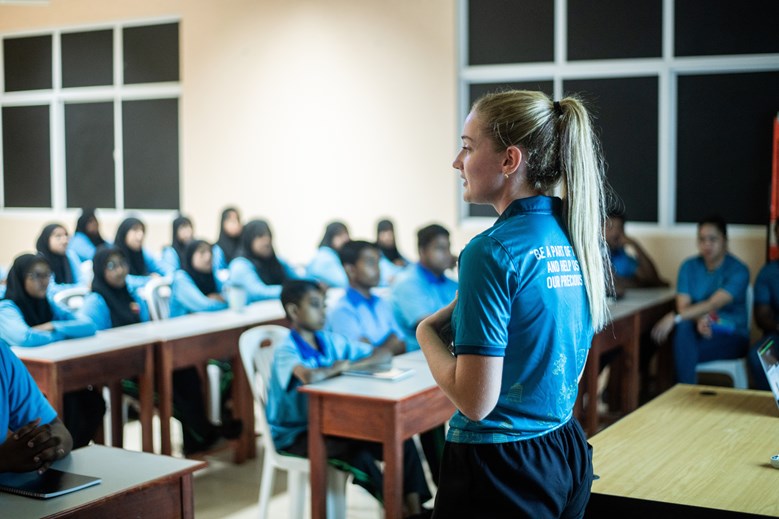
(153, 265)
(190, 297)
(285, 358)
(683, 280)
(242, 274)
(736, 281)
(15, 331)
(25, 400)
(344, 320)
(218, 258)
(70, 326)
(170, 259)
(96, 310)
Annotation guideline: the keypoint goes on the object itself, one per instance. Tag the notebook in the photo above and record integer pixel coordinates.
(380, 372)
(51, 483)
(767, 352)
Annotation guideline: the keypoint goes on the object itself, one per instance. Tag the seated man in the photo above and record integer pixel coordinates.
(766, 310)
(632, 265)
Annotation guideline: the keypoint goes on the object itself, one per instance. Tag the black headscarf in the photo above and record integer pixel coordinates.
(204, 280)
(332, 230)
(270, 269)
(121, 305)
(60, 266)
(35, 311)
(229, 244)
(134, 257)
(178, 245)
(81, 226)
(390, 252)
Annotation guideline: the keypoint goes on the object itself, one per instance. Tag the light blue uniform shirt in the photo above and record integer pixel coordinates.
(243, 274)
(416, 294)
(356, 317)
(521, 296)
(14, 330)
(732, 275)
(287, 409)
(75, 269)
(96, 310)
(153, 266)
(82, 246)
(186, 297)
(20, 399)
(170, 258)
(327, 268)
(221, 267)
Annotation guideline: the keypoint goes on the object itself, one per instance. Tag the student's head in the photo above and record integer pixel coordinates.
(712, 238)
(519, 143)
(182, 230)
(53, 239)
(110, 265)
(231, 222)
(614, 229)
(130, 234)
(385, 234)
(257, 239)
(87, 222)
(434, 248)
(336, 234)
(29, 277)
(361, 263)
(304, 304)
(198, 256)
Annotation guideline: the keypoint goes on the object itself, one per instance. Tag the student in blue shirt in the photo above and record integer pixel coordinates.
(65, 266)
(392, 262)
(326, 266)
(510, 349)
(87, 236)
(310, 355)
(195, 288)
(257, 269)
(112, 304)
(33, 435)
(182, 234)
(710, 321)
(360, 315)
(28, 318)
(766, 312)
(632, 265)
(229, 241)
(143, 264)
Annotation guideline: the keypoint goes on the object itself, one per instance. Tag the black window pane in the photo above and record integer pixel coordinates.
(27, 63)
(508, 31)
(625, 117)
(151, 154)
(614, 29)
(87, 58)
(718, 27)
(89, 154)
(724, 142)
(151, 53)
(26, 156)
(476, 90)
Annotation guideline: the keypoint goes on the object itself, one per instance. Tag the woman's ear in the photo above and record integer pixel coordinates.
(511, 160)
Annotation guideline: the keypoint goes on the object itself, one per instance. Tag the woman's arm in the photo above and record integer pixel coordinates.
(242, 274)
(190, 296)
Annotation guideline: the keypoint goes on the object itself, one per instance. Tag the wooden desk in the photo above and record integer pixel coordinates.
(388, 412)
(694, 451)
(103, 359)
(632, 316)
(134, 484)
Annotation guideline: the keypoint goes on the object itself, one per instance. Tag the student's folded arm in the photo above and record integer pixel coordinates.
(15, 331)
(312, 375)
(190, 296)
(242, 274)
(71, 326)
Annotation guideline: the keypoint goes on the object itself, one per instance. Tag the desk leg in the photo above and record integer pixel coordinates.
(146, 397)
(244, 405)
(317, 456)
(393, 474)
(165, 388)
(117, 427)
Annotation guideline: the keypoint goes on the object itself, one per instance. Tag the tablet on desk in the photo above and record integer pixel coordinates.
(51, 483)
(380, 372)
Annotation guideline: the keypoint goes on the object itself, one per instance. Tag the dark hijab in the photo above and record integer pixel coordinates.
(178, 245)
(60, 266)
(134, 257)
(81, 226)
(270, 269)
(121, 305)
(390, 252)
(227, 243)
(35, 311)
(204, 280)
(332, 230)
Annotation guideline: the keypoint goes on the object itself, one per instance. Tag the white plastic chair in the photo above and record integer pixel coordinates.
(256, 346)
(736, 369)
(157, 294)
(71, 298)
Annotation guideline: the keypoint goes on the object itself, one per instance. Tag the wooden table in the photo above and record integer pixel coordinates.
(388, 412)
(632, 316)
(692, 452)
(103, 359)
(134, 484)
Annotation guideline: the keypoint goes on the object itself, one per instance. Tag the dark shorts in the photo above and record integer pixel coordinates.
(548, 476)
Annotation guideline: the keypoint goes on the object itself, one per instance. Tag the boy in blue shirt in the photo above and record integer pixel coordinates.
(311, 355)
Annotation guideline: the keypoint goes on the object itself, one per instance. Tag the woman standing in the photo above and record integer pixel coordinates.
(532, 292)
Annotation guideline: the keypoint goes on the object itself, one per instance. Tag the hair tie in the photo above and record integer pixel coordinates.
(557, 108)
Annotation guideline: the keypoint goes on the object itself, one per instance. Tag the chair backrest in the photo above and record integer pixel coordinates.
(157, 294)
(71, 298)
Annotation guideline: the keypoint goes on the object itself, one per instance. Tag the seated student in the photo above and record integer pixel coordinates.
(359, 314)
(326, 266)
(28, 318)
(87, 236)
(310, 355)
(257, 269)
(229, 241)
(195, 288)
(766, 311)
(392, 262)
(710, 322)
(52, 244)
(111, 304)
(632, 265)
(143, 265)
(181, 235)
(33, 436)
